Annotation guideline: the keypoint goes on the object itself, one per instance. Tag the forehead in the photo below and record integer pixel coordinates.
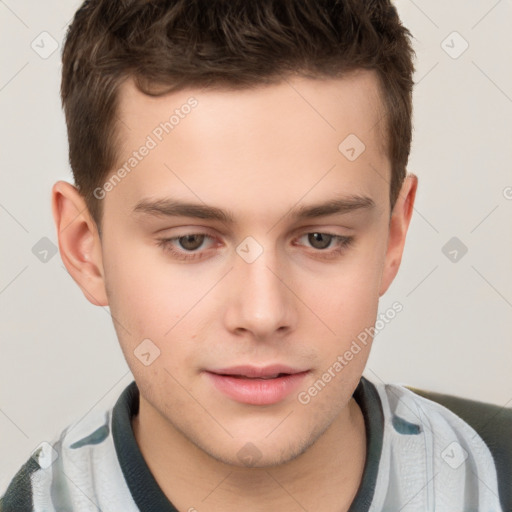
(270, 142)
(335, 103)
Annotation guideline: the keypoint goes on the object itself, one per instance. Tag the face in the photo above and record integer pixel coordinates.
(230, 309)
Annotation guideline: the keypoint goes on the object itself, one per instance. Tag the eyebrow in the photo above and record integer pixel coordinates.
(169, 207)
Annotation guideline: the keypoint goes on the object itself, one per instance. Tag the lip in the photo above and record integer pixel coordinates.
(257, 371)
(257, 385)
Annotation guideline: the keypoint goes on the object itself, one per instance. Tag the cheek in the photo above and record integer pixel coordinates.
(137, 304)
(347, 303)
(145, 292)
(150, 299)
(349, 295)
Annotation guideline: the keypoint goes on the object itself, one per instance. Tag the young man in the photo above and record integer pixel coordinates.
(241, 204)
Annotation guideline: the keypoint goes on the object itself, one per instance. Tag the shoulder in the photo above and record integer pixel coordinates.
(464, 435)
(492, 423)
(83, 453)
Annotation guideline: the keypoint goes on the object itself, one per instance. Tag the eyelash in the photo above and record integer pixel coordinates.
(343, 242)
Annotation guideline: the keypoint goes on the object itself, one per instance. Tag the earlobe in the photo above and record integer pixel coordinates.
(79, 242)
(400, 219)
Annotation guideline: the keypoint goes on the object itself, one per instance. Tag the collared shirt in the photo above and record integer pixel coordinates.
(421, 457)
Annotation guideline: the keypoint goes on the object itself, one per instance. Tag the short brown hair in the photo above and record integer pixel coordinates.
(223, 43)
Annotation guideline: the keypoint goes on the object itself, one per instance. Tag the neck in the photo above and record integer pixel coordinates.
(324, 477)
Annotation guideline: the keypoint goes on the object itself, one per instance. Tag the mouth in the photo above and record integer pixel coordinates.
(258, 372)
(257, 385)
(275, 376)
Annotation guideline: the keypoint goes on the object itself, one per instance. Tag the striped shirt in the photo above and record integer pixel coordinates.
(420, 457)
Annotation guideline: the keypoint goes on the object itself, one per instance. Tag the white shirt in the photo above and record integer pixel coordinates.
(421, 457)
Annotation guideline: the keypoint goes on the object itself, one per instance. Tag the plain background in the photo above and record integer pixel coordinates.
(59, 355)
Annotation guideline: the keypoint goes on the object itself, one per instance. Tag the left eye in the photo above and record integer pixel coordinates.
(320, 240)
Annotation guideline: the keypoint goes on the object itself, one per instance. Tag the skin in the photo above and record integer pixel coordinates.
(258, 153)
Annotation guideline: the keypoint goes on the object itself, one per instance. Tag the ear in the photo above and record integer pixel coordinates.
(399, 223)
(79, 242)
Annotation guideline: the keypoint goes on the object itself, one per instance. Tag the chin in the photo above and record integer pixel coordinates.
(259, 453)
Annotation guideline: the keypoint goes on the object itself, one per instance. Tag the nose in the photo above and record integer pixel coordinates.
(261, 299)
